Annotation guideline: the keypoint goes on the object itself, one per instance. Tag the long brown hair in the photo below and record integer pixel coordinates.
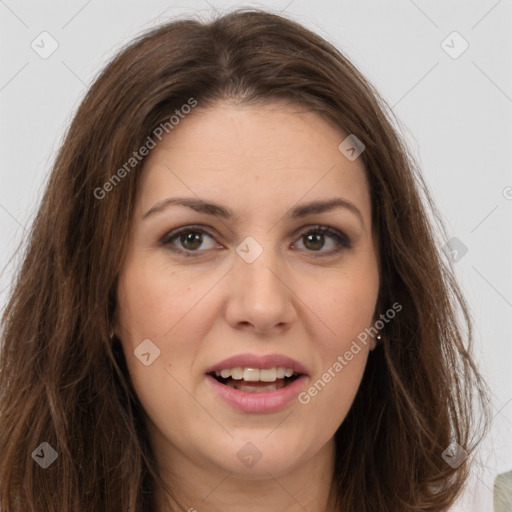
(64, 382)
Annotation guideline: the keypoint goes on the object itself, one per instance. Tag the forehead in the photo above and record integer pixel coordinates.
(249, 155)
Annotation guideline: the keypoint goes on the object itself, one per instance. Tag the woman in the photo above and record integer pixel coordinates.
(232, 297)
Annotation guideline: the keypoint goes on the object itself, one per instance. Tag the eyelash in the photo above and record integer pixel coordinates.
(340, 238)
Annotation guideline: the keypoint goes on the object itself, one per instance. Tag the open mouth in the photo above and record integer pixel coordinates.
(256, 380)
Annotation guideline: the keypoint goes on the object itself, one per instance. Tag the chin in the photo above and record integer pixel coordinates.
(255, 454)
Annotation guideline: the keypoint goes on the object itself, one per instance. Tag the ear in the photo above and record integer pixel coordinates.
(374, 341)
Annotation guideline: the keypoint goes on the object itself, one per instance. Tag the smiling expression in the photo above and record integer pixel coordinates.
(251, 249)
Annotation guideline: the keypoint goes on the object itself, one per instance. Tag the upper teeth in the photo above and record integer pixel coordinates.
(255, 374)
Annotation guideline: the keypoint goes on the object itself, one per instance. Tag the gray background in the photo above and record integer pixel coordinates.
(456, 114)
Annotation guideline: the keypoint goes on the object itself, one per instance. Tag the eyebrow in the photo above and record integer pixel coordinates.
(217, 210)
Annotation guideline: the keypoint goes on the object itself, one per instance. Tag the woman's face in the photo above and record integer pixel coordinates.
(250, 283)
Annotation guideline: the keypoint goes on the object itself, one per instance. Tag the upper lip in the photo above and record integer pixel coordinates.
(259, 361)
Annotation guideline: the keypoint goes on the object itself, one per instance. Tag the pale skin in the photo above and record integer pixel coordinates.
(260, 162)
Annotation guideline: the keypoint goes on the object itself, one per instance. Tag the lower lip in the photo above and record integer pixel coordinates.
(259, 402)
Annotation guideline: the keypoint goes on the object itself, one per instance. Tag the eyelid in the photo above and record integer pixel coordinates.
(326, 230)
(344, 242)
(175, 233)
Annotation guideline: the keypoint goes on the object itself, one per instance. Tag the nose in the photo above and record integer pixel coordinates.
(260, 295)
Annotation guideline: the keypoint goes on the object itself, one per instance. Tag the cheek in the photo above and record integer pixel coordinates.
(157, 302)
(345, 304)
(161, 304)
(346, 309)
(158, 305)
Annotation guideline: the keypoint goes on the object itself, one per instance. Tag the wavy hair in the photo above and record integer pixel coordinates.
(64, 381)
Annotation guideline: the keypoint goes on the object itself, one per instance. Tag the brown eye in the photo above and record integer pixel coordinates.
(187, 240)
(314, 240)
(191, 240)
